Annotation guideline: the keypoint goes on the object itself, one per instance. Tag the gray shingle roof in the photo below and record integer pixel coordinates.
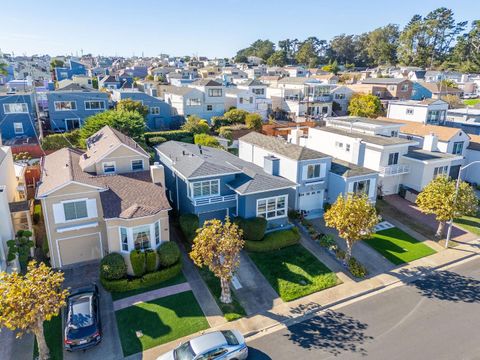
(386, 81)
(424, 155)
(206, 82)
(192, 162)
(348, 170)
(282, 147)
(178, 90)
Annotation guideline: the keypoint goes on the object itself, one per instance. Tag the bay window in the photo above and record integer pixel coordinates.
(272, 208)
(141, 237)
(361, 187)
(440, 171)
(205, 188)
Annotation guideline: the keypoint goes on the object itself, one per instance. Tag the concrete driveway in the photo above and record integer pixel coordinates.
(110, 348)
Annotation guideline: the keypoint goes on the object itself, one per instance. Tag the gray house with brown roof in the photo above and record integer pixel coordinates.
(105, 199)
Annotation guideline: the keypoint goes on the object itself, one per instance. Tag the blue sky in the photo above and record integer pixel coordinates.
(200, 27)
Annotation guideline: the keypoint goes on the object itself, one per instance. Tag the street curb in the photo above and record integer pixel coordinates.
(353, 298)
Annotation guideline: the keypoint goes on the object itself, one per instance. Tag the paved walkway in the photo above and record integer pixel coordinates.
(200, 290)
(150, 295)
(295, 311)
(256, 293)
(12, 348)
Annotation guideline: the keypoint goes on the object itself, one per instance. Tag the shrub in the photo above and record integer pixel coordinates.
(187, 139)
(45, 248)
(236, 116)
(168, 254)
(254, 121)
(196, 125)
(175, 135)
(150, 261)
(225, 132)
(60, 141)
(37, 213)
(327, 241)
(206, 140)
(137, 259)
(157, 140)
(253, 229)
(293, 214)
(113, 267)
(189, 224)
(357, 269)
(340, 254)
(147, 280)
(274, 241)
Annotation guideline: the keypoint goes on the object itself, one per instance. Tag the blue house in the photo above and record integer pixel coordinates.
(17, 115)
(214, 183)
(420, 92)
(74, 68)
(68, 109)
(159, 112)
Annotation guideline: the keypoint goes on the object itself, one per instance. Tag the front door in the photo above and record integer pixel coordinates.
(454, 170)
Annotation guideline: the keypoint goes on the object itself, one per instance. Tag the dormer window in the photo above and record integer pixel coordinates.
(109, 167)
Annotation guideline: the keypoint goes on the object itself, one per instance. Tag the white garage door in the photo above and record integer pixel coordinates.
(311, 200)
(79, 249)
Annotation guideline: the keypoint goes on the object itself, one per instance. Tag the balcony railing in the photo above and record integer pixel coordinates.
(214, 200)
(394, 170)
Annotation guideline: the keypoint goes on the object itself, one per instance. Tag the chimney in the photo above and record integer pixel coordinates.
(294, 136)
(157, 174)
(271, 165)
(430, 142)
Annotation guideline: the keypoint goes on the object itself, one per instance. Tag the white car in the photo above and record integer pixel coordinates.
(217, 345)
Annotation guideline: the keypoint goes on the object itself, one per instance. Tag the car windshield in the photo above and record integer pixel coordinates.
(184, 352)
(81, 311)
(230, 337)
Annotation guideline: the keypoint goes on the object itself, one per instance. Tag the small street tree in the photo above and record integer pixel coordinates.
(196, 125)
(438, 198)
(217, 246)
(354, 217)
(366, 105)
(132, 105)
(28, 300)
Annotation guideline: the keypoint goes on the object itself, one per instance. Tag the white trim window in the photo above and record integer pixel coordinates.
(209, 107)
(75, 210)
(314, 171)
(215, 92)
(154, 110)
(94, 105)
(205, 188)
(194, 102)
(409, 111)
(137, 165)
(272, 207)
(361, 187)
(15, 108)
(65, 105)
(440, 171)
(141, 237)
(18, 128)
(108, 167)
(72, 123)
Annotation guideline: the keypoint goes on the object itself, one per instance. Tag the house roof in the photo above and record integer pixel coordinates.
(178, 90)
(420, 74)
(192, 161)
(282, 147)
(444, 133)
(252, 82)
(360, 119)
(346, 169)
(424, 102)
(425, 155)
(103, 141)
(474, 142)
(74, 87)
(373, 139)
(384, 81)
(206, 82)
(296, 80)
(436, 88)
(123, 195)
(109, 79)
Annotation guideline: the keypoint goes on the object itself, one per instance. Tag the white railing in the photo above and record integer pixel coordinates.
(214, 200)
(394, 170)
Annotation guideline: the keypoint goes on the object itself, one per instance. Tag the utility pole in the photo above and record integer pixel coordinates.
(37, 110)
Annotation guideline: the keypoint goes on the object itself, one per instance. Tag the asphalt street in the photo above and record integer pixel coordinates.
(436, 317)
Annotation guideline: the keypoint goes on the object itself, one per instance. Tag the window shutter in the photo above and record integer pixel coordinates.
(92, 208)
(323, 170)
(58, 213)
(350, 187)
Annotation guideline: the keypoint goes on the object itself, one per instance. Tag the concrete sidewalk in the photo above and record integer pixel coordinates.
(286, 314)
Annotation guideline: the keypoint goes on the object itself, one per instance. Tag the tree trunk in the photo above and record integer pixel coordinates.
(226, 296)
(43, 351)
(348, 254)
(440, 230)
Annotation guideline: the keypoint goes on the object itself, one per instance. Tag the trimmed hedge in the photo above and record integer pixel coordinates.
(189, 223)
(176, 135)
(151, 261)
(168, 254)
(137, 259)
(146, 280)
(112, 266)
(253, 229)
(157, 140)
(59, 141)
(37, 214)
(274, 241)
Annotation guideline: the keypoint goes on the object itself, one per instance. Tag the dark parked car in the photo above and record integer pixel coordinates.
(83, 327)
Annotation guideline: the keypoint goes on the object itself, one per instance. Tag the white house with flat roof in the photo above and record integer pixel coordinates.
(428, 111)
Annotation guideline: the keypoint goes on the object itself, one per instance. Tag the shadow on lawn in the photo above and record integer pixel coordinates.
(445, 285)
(333, 332)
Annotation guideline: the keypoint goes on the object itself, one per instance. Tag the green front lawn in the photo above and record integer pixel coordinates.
(54, 338)
(230, 311)
(161, 321)
(471, 102)
(398, 247)
(469, 223)
(173, 281)
(294, 272)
